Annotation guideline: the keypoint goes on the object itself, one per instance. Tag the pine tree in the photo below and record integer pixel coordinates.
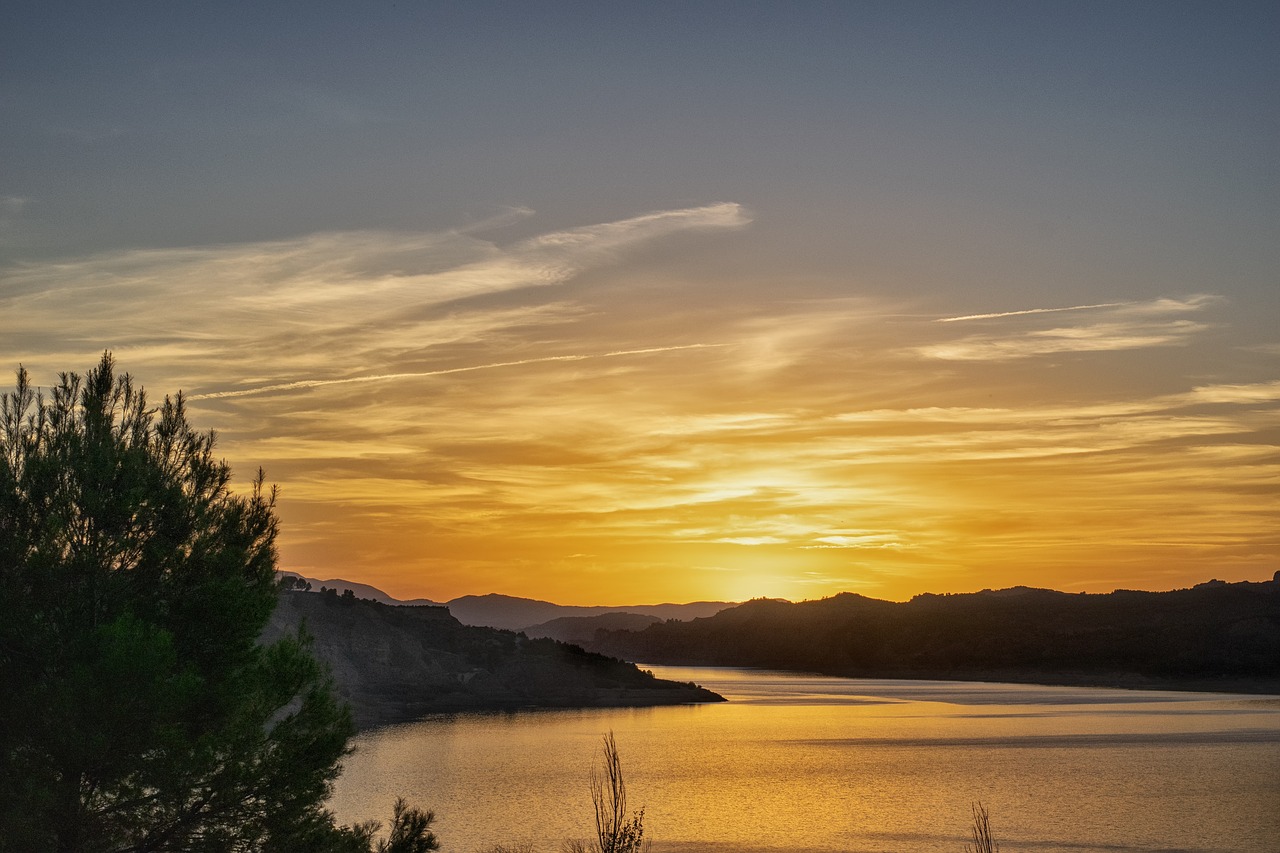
(138, 712)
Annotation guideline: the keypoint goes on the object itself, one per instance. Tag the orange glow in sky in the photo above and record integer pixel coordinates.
(613, 444)
(618, 306)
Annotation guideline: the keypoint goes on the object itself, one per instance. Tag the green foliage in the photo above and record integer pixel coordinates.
(410, 831)
(138, 711)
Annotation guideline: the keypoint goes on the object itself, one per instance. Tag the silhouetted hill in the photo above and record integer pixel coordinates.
(515, 614)
(360, 590)
(1214, 636)
(399, 663)
(581, 630)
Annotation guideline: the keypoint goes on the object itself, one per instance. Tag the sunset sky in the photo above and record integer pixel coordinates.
(609, 303)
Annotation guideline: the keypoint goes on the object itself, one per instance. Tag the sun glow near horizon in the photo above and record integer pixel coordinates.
(592, 445)
(611, 306)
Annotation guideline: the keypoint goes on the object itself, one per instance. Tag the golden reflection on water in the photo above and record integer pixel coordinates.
(802, 762)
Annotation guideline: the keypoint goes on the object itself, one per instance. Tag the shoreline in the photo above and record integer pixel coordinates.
(1238, 686)
(1250, 686)
(377, 712)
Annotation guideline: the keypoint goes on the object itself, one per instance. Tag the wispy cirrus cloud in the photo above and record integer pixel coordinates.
(1255, 392)
(1103, 327)
(858, 540)
(436, 408)
(1027, 311)
(324, 308)
(389, 377)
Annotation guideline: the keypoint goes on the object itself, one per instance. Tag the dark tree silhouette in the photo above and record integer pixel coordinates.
(410, 831)
(137, 710)
(291, 583)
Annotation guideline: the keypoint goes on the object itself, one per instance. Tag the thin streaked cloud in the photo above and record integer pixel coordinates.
(438, 406)
(390, 377)
(1105, 327)
(980, 322)
(324, 303)
(1027, 311)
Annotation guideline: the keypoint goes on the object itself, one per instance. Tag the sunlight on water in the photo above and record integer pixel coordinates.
(797, 762)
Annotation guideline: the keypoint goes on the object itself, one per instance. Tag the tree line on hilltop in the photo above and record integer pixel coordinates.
(1213, 634)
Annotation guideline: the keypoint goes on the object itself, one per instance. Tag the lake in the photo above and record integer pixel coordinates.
(802, 762)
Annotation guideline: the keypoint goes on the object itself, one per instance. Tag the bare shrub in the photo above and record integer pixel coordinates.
(980, 832)
(616, 831)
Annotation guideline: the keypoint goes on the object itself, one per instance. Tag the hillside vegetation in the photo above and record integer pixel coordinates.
(398, 663)
(1213, 636)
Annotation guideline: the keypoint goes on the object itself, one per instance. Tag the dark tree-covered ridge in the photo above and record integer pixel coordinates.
(397, 663)
(1214, 636)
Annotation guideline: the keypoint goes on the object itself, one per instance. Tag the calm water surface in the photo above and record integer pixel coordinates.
(798, 762)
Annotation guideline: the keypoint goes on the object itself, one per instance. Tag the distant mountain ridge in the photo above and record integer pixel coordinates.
(515, 614)
(581, 630)
(504, 611)
(1213, 636)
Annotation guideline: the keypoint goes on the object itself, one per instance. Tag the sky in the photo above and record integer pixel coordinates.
(607, 303)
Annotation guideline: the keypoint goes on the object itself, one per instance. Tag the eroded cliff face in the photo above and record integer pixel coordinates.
(394, 664)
